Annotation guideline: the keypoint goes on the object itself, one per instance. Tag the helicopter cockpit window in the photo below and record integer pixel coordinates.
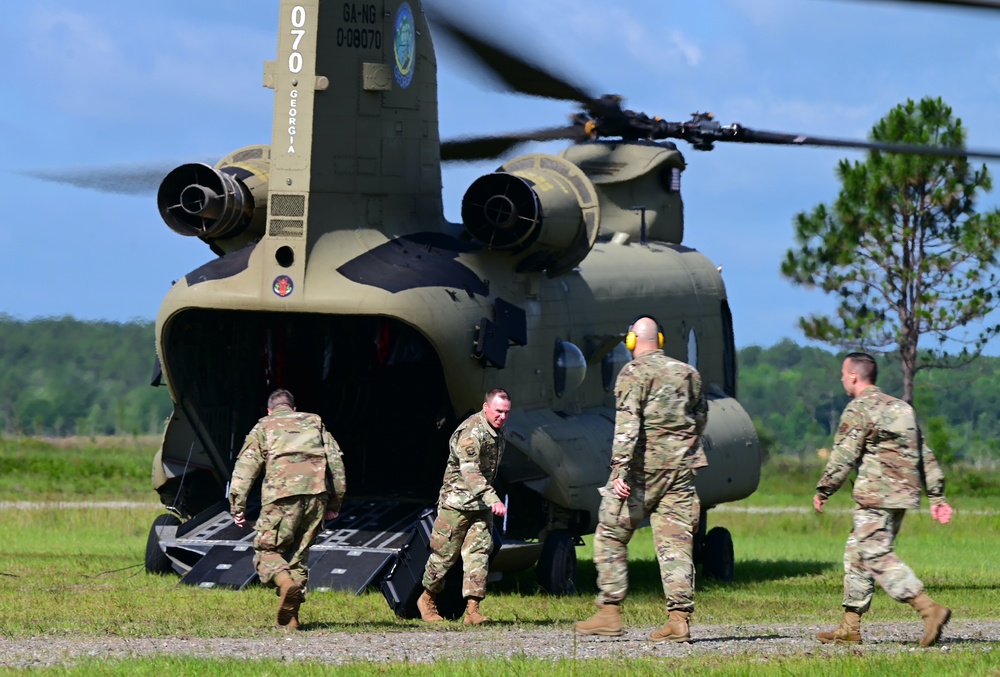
(612, 363)
(570, 368)
(728, 351)
(670, 179)
(692, 349)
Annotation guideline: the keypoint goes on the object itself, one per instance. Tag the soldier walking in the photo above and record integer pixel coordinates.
(304, 485)
(661, 413)
(878, 435)
(466, 507)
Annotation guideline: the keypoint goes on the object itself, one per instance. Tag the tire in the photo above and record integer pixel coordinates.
(717, 560)
(157, 561)
(556, 567)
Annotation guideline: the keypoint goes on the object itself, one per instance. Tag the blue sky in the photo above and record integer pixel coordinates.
(153, 84)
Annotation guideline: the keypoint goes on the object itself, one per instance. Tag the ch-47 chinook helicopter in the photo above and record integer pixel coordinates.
(338, 277)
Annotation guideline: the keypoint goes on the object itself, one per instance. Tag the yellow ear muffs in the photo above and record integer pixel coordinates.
(630, 341)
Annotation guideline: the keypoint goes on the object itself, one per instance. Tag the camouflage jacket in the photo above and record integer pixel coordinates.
(878, 436)
(299, 458)
(476, 449)
(661, 413)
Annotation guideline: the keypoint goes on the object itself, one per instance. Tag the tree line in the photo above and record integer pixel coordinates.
(794, 396)
(62, 376)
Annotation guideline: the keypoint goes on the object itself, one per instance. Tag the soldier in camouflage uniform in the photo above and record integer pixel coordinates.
(466, 507)
(661, 413)
(304, 485)
(878, 436)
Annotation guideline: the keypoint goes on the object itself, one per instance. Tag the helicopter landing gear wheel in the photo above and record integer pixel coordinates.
(717, 560)
(157, 561)
(556, 568)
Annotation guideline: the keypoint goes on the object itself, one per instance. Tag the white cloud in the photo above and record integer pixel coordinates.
(687, 47)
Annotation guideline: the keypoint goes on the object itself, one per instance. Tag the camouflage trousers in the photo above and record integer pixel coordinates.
(669, 499)
(285, 530)
(465, 533)
(869, 557)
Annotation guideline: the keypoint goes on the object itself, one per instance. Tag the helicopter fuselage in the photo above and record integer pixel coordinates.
(339, 278)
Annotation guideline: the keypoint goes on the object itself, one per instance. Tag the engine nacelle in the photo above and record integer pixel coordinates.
(542, 208)
(638, 186)
(223, 205)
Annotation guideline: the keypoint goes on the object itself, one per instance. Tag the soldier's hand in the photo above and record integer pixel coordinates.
(330, 515)
(942, 513)
(818, 502)
(499, 509)
(240, 519)
(620, 488)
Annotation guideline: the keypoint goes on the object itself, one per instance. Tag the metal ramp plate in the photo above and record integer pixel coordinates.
(223, 566)
(349, 556)
(351, 570)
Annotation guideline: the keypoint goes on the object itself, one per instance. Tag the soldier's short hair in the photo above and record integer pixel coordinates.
(496, 392)
(865, 366)
(280, 397)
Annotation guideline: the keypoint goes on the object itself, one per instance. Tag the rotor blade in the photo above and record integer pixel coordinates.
(485, 147)
(745, 135)
(979, 4)
(512, 70)
(122, 180)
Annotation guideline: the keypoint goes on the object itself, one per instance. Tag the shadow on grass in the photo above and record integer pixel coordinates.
(756, 570)
(644, 576)
(742, 638)
(416, 625)
(391, 624)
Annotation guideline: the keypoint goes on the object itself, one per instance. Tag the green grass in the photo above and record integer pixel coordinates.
(75, 468)
(79, 572)
(74, 568)
(791, 481)
(858, 665)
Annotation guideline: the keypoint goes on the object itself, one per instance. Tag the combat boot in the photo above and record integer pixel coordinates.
(675, 630)
(849, 631)
(472, 615)
(427, 606)
(290, 593)
(607, 622)
(935, 618)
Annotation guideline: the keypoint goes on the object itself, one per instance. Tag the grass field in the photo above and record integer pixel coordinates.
(78, 572)
(86, 468)
(917, 663)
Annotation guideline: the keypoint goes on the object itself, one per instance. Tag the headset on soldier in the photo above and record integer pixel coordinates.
(630, 337)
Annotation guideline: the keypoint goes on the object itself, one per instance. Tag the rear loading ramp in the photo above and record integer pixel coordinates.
(211, 551)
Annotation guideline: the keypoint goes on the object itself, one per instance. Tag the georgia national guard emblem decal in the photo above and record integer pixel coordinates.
(283, 286)
(404, 46)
